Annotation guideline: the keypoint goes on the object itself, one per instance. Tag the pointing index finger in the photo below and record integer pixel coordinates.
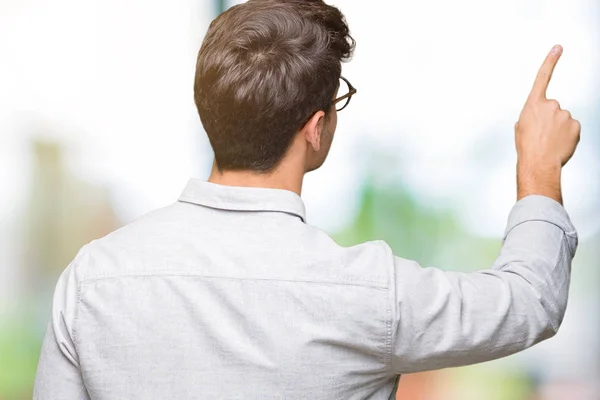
(545, 73)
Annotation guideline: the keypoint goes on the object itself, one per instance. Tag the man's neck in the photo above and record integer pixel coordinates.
(282, 178)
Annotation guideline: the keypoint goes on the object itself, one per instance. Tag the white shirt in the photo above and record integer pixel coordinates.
(228, 294)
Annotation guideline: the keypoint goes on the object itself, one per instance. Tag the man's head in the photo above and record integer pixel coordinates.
(266, 77)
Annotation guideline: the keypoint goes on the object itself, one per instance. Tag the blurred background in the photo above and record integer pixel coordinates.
(98, 127)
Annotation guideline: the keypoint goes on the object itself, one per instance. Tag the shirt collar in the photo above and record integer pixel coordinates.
(243, 198)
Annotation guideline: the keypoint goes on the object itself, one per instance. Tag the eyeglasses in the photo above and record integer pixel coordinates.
(348, 91)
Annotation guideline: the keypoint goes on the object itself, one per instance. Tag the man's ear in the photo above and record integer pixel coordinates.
(312, 130)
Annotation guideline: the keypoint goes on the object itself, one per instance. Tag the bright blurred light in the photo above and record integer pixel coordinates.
(436, 79)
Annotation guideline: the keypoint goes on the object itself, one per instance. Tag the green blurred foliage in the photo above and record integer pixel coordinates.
(431, 236)
(20, 343)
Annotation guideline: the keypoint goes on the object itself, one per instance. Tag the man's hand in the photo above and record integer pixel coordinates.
(546, 137)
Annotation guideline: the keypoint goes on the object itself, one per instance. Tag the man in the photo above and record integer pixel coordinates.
(229, 294)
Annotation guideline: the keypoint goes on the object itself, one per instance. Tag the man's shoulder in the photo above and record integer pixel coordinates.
(373, 261)
(369, 263)
(125, 247)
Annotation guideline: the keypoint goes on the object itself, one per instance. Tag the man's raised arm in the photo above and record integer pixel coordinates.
(447, 319)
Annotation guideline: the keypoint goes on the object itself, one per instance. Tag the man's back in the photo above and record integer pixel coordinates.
(233, 298)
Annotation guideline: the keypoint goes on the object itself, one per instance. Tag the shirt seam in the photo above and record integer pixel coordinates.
(76, 320)
(374, 285)
(78, 270)
(390, 333)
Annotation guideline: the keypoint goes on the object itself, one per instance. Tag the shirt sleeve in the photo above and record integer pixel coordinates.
(448, 319)
(58, 373)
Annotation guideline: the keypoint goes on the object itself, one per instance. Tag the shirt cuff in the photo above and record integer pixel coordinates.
(541, 208)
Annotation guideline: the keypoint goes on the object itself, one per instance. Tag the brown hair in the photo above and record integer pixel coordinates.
(264, 68)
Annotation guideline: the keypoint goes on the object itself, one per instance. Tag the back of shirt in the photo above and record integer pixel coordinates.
(228, 294)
